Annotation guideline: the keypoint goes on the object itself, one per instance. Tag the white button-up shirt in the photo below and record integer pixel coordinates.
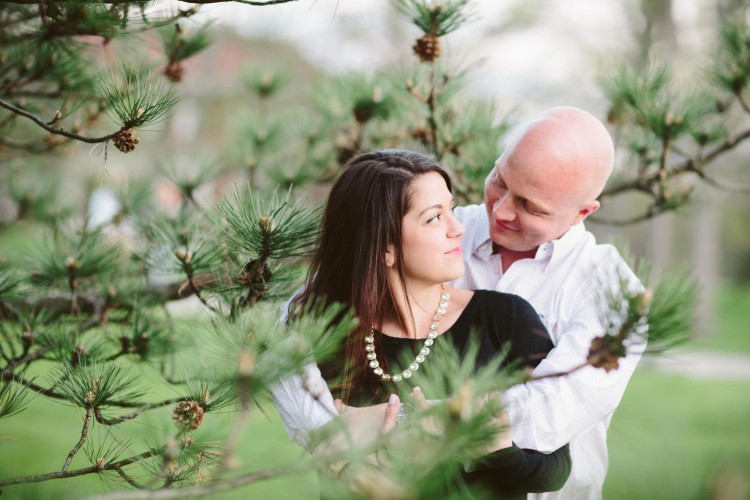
(566, 282)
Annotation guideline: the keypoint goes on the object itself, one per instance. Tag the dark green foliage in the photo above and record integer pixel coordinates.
(95, 384)
(13, 396)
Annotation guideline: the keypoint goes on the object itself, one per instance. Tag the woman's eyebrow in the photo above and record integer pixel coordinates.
(437, 205)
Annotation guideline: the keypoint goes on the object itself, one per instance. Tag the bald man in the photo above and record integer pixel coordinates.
(529, 239)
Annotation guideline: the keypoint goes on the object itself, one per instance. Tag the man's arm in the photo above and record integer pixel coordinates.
(546, 414)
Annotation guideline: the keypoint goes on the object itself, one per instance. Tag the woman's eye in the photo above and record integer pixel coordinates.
(434, 220)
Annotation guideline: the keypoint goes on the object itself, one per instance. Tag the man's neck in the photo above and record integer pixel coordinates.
(508, 256)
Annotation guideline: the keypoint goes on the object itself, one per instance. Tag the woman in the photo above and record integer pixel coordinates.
(389, 243)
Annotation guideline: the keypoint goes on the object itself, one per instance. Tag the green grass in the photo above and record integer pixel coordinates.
(673, 437)
(732, 321)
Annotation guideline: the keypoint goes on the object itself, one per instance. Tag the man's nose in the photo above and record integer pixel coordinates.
(504, 208)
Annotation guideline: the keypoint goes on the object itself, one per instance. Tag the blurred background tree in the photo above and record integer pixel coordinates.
(207, 200)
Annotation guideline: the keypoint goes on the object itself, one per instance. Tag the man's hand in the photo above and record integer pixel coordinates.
(490, 403)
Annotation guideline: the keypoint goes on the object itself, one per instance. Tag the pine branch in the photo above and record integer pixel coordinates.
(216, 487)
(128, 479)
(57, 304)
(53, 130)
(690, 165)
(563, 373)
(141, 407)
(84, 434)
(96, 469)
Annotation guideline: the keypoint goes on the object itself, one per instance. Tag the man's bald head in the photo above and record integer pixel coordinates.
(566, 146)
(548, 178)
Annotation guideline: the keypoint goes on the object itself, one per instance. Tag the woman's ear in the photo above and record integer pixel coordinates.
(390, 256)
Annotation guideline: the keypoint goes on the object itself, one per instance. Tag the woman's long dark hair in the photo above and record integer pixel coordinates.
(363, 217)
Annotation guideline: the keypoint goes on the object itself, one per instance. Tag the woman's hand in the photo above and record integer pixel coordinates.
(357, 428)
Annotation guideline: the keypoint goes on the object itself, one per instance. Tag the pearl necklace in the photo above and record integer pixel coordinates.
(431, 335)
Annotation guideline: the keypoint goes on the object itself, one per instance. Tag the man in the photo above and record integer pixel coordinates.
(528, 239)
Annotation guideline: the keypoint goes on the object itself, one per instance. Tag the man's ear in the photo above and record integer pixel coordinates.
(390, 256)
(585, 212)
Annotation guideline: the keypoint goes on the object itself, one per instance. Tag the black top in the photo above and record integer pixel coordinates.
(494, 319)
(499, 319)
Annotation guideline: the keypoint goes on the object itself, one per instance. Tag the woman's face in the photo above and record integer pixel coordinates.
(431, 233)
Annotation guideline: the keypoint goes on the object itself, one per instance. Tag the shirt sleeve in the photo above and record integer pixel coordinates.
(515, 471)
(530, 340)
(304, 401)
(548, 413)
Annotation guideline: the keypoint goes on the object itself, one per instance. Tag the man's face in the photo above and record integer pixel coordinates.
(526, 210)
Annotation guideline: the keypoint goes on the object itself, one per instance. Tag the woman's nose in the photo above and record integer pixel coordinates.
(456, 229)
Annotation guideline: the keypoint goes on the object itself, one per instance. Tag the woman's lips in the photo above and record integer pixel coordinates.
(455, 251)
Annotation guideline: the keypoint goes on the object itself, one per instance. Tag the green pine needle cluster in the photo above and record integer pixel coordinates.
(13, 398)
(273, 227)
(732, 66)
(134, 98)
(181, 43)
(436, 17)
(94, 384)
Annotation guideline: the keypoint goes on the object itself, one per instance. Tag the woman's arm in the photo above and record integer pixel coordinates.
(516, 471)
(304, 402)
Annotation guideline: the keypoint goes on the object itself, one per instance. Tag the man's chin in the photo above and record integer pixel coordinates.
(500, 243)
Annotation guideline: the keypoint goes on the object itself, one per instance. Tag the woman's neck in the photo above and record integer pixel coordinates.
(413, 316)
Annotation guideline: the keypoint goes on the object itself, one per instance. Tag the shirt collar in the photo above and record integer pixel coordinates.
(551, 251)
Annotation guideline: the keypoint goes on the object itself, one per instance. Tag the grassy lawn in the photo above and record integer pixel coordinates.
(732, 316)
(673, 437)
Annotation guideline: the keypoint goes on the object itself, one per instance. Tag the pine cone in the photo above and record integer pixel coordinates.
(427, 48)
(187, 415)
(174, 72)
(605, 352)
(125, 140)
